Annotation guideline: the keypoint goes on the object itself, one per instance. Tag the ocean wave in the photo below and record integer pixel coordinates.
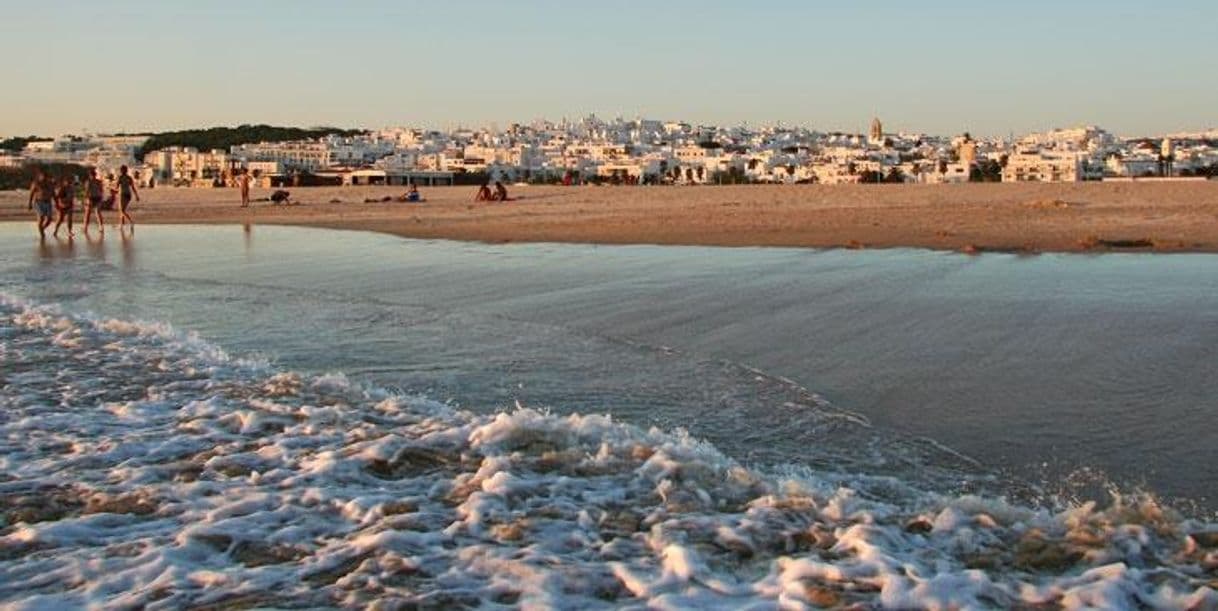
(141, 466)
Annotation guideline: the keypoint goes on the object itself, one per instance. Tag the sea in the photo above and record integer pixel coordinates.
(278, 417)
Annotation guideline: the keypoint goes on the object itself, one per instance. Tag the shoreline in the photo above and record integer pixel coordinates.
(1155, 217)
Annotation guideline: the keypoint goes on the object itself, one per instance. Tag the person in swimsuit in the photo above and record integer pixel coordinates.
(94, 192)
(243, 181)
(500, 192)
(65, 203)
(41, 193)
(411, 195)
(484, 193)
(126, 189)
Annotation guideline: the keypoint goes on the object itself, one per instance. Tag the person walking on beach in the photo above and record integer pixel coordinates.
(94, 192)
(65, 204)
(126, 189)
(42, 191)
(243, 181)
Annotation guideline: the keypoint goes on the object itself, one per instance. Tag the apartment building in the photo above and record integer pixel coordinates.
(1043, 166)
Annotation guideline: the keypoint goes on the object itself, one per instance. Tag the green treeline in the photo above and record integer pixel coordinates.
(16, 144)
(20, 177)
(226, 137)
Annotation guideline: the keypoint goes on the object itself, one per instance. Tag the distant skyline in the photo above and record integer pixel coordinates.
(940, 66)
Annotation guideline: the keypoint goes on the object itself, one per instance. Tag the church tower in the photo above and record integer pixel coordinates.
(877, 131)
(1167, 157)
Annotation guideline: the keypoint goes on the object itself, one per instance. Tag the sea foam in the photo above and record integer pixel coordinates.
(140, 466)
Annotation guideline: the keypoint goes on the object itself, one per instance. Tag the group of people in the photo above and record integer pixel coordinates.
(485, 194)
(56, 197)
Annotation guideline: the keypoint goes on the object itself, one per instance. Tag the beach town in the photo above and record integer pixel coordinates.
(645, 152)
(1080, 189)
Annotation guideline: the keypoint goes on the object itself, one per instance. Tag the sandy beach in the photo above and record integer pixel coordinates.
(1143, 216)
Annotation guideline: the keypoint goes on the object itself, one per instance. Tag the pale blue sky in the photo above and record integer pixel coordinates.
(941, 66)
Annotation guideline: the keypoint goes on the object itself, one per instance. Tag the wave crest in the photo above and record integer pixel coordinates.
(144, 466)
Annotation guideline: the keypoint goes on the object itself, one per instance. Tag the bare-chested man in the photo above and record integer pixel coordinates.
(42, 192)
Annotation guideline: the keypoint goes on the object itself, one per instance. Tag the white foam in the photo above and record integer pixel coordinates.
(144, 467)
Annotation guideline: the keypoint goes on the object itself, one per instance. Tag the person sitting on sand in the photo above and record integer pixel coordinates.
(65, 203)
(280, 197)
(500, 193)
(484, 193)
(411, 195)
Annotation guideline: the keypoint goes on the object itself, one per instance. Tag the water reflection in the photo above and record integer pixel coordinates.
(51, 248)
(127, 249)
(95, 245)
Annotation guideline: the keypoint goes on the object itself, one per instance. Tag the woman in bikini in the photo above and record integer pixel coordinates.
(126, 189)
(94, 192)
(65, 202)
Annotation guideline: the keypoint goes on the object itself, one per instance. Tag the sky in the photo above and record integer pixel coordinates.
(936, 66)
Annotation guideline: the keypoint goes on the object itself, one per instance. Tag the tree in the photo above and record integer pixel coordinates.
(986, 170)
(735, 175)
(18, 144)
(20, 177)
(689, 174)
(701, 173)
(227, 137)
(871, 177)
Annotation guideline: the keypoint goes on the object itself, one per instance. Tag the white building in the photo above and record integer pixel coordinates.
(1043, 166)
(185, 166)
(307, 155)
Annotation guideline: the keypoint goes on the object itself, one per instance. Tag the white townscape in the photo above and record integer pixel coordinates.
(645, 151)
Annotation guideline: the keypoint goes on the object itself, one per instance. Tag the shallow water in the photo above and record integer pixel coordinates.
(321, 418)
(1055, 369)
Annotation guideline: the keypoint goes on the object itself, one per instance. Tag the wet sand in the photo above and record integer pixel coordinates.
(1142, 216)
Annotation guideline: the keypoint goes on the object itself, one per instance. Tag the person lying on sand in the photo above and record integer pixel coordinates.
(281, 197)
